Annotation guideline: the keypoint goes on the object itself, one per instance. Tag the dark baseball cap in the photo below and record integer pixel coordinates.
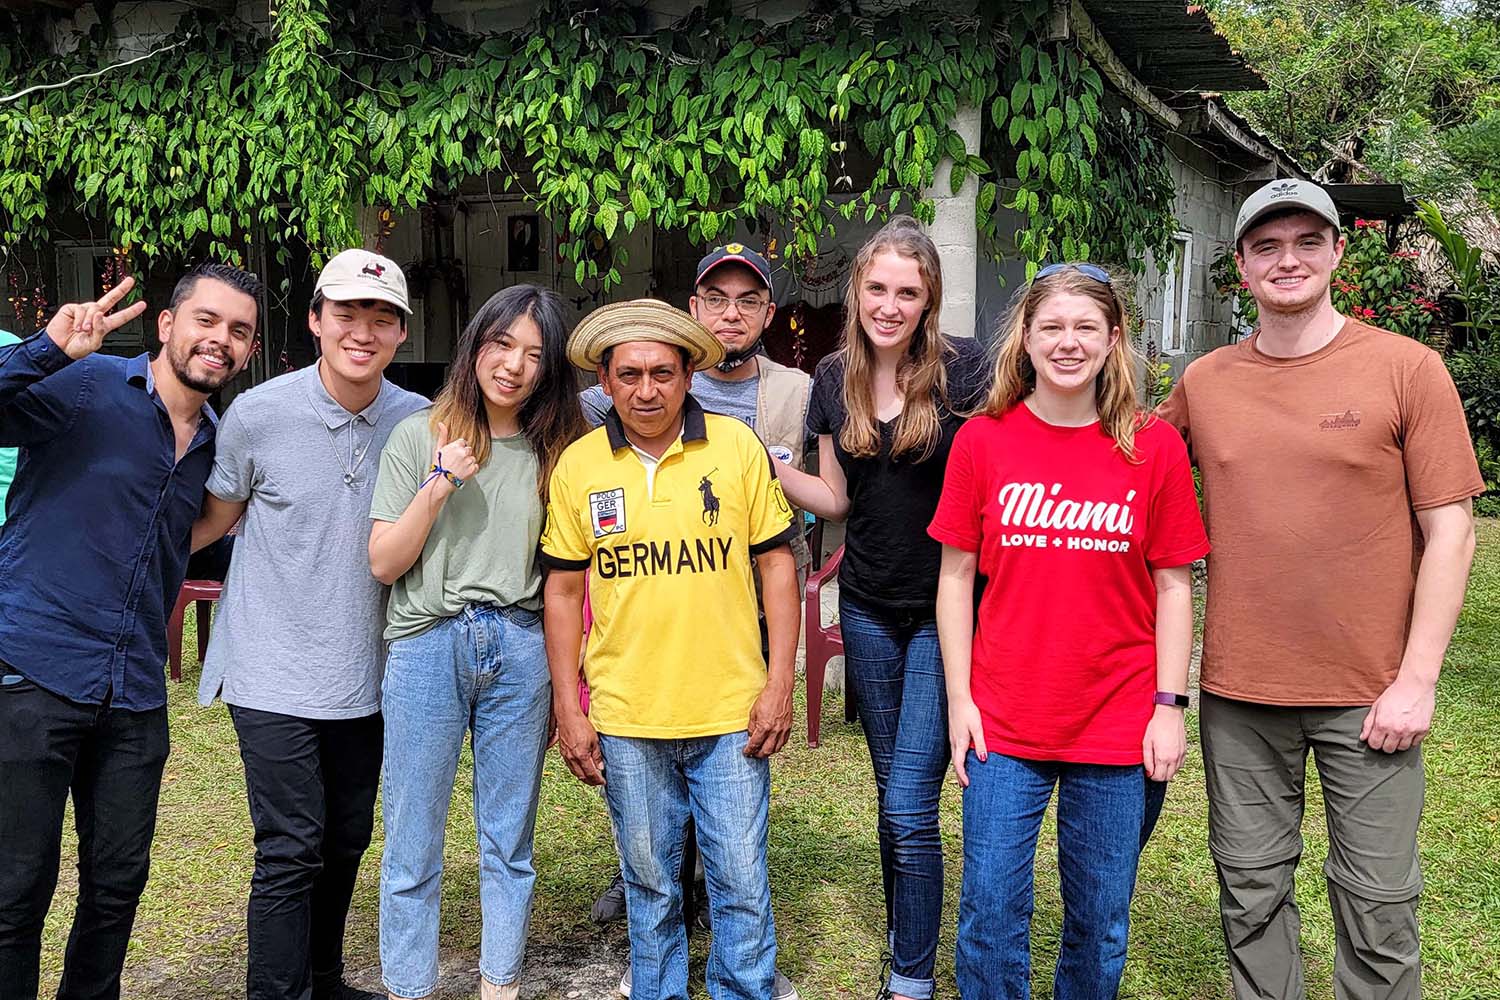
(738, 253)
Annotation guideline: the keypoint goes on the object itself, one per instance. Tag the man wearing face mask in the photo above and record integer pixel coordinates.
(298, 457)
(114, 454)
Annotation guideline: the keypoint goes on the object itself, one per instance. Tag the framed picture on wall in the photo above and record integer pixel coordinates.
(523, 241)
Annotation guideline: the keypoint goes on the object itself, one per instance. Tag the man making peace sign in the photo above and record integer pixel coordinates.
(114, 455)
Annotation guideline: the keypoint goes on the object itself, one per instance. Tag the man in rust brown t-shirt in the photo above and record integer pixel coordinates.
(1337, 482)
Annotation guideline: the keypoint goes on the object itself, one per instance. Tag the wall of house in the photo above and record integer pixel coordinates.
(1208, 195)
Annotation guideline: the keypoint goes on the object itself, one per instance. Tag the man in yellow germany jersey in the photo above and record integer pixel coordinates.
(666, 505)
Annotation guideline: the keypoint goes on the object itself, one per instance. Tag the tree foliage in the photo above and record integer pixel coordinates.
(607, 124)
(1412, 86)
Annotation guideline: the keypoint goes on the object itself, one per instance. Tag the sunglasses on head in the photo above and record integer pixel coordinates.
(1087, 270)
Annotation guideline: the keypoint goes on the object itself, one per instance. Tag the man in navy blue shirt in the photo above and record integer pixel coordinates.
(114, 454)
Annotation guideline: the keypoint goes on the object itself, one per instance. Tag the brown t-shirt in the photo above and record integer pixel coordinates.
(1312, 468)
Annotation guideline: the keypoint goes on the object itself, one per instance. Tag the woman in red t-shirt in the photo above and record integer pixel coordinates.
(1079, 510)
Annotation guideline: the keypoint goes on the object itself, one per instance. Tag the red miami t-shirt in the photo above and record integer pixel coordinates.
(1067, 532)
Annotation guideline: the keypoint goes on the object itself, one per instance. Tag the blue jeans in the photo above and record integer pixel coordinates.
(896, 670)
(653, 786)
(484, 671)
(1102, 823)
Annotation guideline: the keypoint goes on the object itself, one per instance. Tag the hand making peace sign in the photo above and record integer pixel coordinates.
(80, 328)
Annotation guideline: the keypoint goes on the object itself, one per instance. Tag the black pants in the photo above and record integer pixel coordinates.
(111, 760)
(312, 785)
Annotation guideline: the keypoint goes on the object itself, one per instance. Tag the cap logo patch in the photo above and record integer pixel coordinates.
(1283, 189)
(374, 270)
(734, 248)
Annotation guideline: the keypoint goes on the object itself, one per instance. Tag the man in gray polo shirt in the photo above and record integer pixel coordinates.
(296, 651)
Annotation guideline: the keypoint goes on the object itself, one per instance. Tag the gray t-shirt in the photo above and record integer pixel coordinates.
(482, 547)
(298, 628)
(737, 399)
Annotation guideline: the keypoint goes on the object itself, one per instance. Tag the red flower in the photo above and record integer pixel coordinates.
(1363, 223)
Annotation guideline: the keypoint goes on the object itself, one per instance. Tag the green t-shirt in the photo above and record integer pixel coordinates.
(7, 455)
(482, 548)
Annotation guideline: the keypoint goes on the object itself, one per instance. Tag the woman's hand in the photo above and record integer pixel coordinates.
(965, 730)
(456, 457)
(1165, 745)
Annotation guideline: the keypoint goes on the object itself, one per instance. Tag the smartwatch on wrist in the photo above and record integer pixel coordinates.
(1172, 699)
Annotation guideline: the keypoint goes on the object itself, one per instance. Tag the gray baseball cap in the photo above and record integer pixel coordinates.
(359, 274)
(1285, 193)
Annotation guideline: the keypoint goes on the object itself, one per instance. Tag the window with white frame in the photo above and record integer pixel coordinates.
(1174, 299)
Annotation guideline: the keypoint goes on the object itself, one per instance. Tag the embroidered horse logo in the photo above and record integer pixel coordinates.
(710, 502)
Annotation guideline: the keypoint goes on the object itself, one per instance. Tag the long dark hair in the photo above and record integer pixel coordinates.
(551, 417)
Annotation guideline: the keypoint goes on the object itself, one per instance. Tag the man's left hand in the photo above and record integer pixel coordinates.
(1400, 717)
(770, 720)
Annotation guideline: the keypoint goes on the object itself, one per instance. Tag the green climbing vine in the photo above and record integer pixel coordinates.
(604, 123)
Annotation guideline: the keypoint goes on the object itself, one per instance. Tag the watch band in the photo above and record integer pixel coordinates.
(1171, 698)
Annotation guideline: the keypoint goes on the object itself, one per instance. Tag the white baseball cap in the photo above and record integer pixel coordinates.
(360, 274)
(1285, 193)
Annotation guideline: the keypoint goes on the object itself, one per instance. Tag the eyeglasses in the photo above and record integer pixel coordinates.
(1087, 270)
(748, 305)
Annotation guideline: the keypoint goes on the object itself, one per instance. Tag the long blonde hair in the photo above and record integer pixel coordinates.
(920, 376)
(1116, 388)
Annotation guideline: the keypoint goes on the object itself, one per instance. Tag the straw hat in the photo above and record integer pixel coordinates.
(637, 320)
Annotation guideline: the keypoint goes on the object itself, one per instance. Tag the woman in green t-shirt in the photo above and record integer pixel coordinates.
(457, 512)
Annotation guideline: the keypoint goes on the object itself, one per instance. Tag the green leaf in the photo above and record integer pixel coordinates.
(1018, 95)
(999, 109)
(607, 218)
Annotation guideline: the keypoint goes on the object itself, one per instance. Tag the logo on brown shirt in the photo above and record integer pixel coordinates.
(1339, 421)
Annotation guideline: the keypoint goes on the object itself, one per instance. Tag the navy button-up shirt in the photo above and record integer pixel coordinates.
(93, 551)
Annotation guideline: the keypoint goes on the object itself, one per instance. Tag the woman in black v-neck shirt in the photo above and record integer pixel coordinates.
(885, 409)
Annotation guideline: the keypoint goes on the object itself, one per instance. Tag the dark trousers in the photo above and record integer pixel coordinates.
(312, 785)
(111, 760)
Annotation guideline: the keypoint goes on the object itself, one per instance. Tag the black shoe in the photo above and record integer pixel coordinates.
(701, 918)
(610, 906)
(340, 990)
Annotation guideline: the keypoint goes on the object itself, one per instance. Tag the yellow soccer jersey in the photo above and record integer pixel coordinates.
(675, 646)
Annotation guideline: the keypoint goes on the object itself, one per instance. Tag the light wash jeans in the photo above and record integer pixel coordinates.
(484, 671)
(653, 786)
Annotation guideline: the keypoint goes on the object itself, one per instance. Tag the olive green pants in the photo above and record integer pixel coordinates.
(1255, 757)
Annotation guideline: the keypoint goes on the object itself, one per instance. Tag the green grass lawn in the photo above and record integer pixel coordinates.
(190, 938)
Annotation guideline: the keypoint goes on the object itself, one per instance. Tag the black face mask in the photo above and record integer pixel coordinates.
(733, 359)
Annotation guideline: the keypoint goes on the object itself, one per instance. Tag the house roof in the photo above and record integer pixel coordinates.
(1214, 124)
(1371, 201)
(1171, 46)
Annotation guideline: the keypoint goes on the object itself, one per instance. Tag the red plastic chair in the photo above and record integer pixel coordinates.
(202, 594)
(822, 644)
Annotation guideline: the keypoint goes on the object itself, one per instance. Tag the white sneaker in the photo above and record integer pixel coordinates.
(624, 987)
(783, 989)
